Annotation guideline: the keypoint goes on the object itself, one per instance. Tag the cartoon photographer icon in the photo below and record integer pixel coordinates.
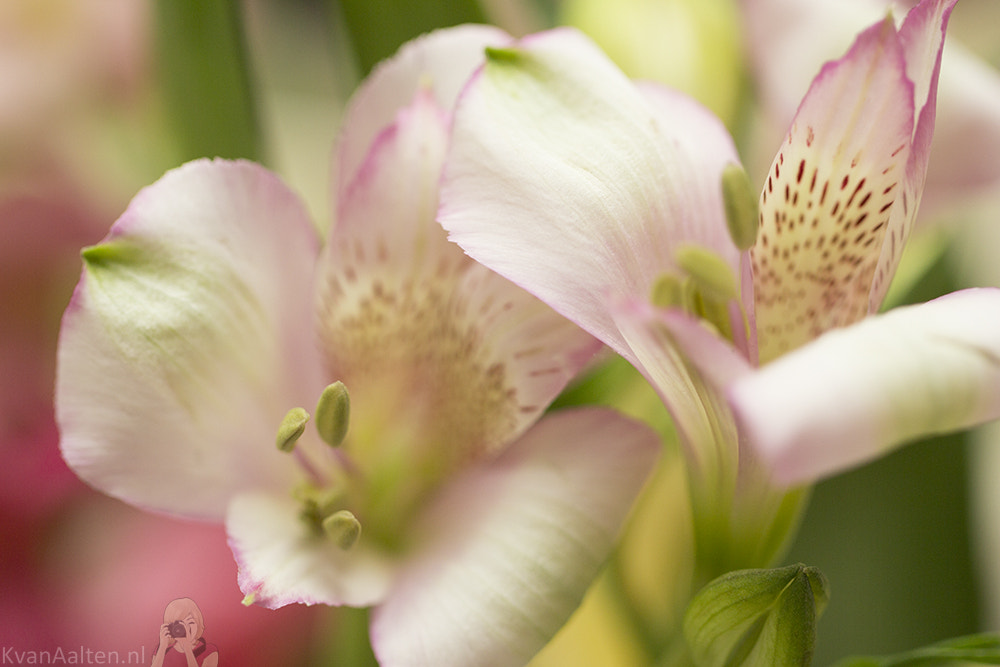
(181, 641)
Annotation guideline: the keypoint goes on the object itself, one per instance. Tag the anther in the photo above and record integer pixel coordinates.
(741, 206)
(344, 528)
(667, 292)
(711, 273)
(291, 429)
(333, 411)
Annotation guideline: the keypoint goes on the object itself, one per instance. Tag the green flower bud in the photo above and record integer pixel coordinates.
(757, 618)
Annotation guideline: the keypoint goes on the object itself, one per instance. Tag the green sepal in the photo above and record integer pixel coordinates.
(757, 618)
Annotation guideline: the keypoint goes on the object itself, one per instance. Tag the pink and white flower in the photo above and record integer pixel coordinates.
(603, 197)
(212, 313)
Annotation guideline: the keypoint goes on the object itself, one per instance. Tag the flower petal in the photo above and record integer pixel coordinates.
(281, 562)
(564, 177)
(402, 307)
(922, 37)
(189, 336)
(510, 548)
(826, 204)
(698, 408)
(856, 392)
(440, 61)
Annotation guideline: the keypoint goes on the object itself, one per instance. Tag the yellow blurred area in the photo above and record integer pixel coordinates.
(691, 45)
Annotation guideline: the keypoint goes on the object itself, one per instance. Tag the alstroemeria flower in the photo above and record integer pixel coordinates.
(605, 198)
(210, 316)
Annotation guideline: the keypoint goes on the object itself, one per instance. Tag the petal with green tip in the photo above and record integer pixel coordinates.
(578, 185)
(190, 329)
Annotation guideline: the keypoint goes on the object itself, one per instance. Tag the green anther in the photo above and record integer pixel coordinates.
(741, 206)
(344, 528)
(249, 599)
(667, 292)
(333, 413)
(291, 429)
(711, 274)
(715, 315)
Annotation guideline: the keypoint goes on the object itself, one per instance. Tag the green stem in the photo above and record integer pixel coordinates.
(351, 645)
(204, 64)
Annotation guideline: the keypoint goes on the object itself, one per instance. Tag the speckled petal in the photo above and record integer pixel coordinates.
(826, 204)
(420, 333)
(922, 36)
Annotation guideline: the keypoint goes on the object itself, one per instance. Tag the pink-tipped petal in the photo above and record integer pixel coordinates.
(567, 179)
(190, 334)
(854, 393)
(440, 62)
(825, 207)
(922, 37)
(282, 561)
(512, 546)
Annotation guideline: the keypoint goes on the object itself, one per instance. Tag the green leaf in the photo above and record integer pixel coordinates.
(204, 67)
(982, 649)
(379, 27)
(757, 617)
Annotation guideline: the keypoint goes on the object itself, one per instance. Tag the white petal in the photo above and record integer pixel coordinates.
(190, 334)
(511, 547)
(402, 307)
(441, 61)
(854, 393)
(282, 562)
(569, 180)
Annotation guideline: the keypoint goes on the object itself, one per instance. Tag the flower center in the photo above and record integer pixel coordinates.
(428, 396)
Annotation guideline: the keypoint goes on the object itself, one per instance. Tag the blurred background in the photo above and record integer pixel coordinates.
(99, 97)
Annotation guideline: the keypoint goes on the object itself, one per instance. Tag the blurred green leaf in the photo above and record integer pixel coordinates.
(379, 27)
(757, 617)
(203, 62)
(983, 649)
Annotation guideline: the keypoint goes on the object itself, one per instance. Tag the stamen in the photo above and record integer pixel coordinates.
(291, 429)
(741, 206)
(712, 274)
(344, 528)
(333, 413)
(667, 292)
